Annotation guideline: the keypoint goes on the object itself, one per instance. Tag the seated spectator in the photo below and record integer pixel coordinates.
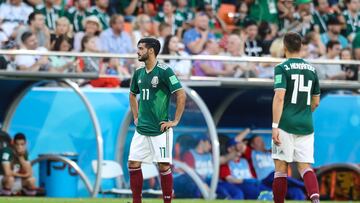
(31, 62)
(15, 167)
(115, 39)
(130, 9)
(264, 10)
(89, 64)
(142, 28)
(333, 33)
(63, 64)
(266, 70)
(331, 71)
(352, 17)
(164, 30)
(351, 71)
(172, 47)
(100, 11)
(356, 46)
(253, 47)
(316, 48)
(242, 14)
(235, 47)
(51, 13)
(168, 16)
(77, 14)
(212, 68)
(12, 14)
(7, 62)
(63, 28)
(321, 15)
(196, 38)
(36, 25)
(92, 27)
(184, 10)
(216, 24)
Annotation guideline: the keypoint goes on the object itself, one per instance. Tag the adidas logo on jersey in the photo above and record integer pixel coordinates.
(139, 81)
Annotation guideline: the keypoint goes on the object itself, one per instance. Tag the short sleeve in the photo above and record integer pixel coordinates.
(279, 78)
(316, 89)
(134, 87)
(6, 156)
(172, 81)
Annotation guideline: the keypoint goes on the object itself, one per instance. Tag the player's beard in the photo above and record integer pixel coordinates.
(144, 57)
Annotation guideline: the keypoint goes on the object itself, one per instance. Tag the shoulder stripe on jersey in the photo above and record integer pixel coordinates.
(133, 92)
(140, 67)
(176, 90)
(162, 66)
(279, 89)
(315, 95)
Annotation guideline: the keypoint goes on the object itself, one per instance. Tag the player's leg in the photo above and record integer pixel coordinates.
(162, 147)
(139, 152)
(282, 154)
(304, 155)
(7, 184)
(28, 186)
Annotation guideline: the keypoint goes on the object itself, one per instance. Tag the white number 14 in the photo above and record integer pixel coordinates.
(299, 87)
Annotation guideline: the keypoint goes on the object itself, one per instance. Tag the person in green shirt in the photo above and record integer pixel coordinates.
(77, 14)
(297, 94)
(264, 10)
(356, 46)
(321, 15)
(169, 16)
(99, 10)
(153, 139)
(51, 12)
(352, 18)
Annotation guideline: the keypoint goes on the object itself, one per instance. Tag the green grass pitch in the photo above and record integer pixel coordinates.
(99, 200)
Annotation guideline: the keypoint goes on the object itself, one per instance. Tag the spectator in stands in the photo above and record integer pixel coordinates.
(165, 30)
(36, 25)
(172, 47)
(115, 39)
(351, 71)
(142, 28)
(196, 38)
(356, 46)
(31, 62)
(266, 70)
(7, 62)
(168, 16)
(263, 10)
(267, 35)
(77, 14)
(51, 13)
(287, 14)
(321, 15)
(316, 48)
(262, 167)
(235, 48)
(89, 64)
(130, 8)
(63, 28)
(216, 24)
(63, 64)
(333, 33)
(331, 71)
(352, 18)
(253, 47)
(184, 10)
(99, 10)
(212, 68)
(12, 14)
(92, 27)
(242, 14)
(305, 53)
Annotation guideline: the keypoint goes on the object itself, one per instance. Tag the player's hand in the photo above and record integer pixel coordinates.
(136, 121)
(275, 136)
(166, 125)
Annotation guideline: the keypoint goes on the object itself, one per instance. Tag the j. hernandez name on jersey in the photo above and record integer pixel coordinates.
(155, 81)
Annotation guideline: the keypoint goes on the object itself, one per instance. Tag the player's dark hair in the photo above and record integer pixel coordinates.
(331, 44)
(151, 43)
(25, 36)
(19, 136)
(292, 42)
(32, 16)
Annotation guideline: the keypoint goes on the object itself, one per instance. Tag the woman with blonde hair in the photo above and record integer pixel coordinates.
(63, 28)
(142, 28)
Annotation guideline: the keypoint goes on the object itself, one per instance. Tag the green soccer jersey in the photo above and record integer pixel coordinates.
(321, 20)
(76, 18)
(352, 24)
(155, 89)
(301, 82)
(103, 16)
(51, 15)
(7, 156)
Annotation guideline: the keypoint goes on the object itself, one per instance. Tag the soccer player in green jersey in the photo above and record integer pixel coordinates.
(153, 138)
(297, 94)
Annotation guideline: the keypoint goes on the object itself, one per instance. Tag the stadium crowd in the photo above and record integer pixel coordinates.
(330, 29)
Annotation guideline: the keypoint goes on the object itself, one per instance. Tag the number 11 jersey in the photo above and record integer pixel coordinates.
(301, 82)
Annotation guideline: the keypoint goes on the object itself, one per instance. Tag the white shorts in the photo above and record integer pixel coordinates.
(151, 149)
(17, 184)
(294, 148)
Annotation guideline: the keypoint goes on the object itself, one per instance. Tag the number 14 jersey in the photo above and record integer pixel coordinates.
(301, 82)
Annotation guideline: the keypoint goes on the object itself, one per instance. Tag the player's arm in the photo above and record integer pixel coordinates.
(278, 101)
(315, 101)
(7, 169)
(180, 104)
(134, 89)
(26, 170)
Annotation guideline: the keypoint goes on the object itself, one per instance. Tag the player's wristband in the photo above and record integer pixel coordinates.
(275, 125)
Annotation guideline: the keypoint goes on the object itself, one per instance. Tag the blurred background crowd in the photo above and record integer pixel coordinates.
(239, 28)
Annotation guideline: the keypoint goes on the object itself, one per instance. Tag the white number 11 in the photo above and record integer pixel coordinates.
(145, 94)
(300, 88)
